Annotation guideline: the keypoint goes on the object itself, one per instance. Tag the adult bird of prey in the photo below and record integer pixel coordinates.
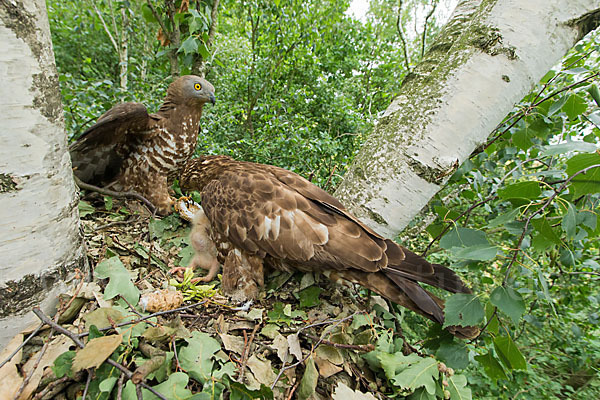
(128, 149)
(265, 214)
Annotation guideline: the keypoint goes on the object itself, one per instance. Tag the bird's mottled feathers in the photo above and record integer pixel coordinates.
(271, 213)
(130, 149)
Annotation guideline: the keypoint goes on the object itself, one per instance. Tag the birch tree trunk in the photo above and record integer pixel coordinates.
(488, 56)
(40, 241)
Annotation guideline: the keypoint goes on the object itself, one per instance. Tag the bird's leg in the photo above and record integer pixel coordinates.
(155, 188)
(242, 275)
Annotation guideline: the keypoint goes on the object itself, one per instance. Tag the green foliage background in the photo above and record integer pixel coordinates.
(299, 85)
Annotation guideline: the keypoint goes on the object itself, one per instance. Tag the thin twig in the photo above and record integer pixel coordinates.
(435, 3)
(56, 327)
(521, 114)
(358, 347)
(87, 383)
(34, 367)
(50, 387)
(246, 353)
(539, 211)
(31, 335)
(156, 314)
(108, 192)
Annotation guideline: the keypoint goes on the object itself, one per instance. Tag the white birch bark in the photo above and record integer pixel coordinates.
(486, 59)
(40, 241)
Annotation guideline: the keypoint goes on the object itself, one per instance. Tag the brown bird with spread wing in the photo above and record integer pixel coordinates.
(129, 149)
(261, 213)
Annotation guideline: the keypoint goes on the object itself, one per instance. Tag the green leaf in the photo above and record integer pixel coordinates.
(589, 182)
(545, 229)
(196, 357)
(504, 218)
(557, 105)
(463, 237)
(509, 301)
(62, 364)
(119, 280)
(521, 139)
(481, 252)
(493, 325)
(574, 106)
(308, 384)
(309, 297)
(562, 148)
(522, 190)
(173, 388)
(491, 366)
(457, 386)
(108, 384)
(85, 208)
(422, 373)
(455, 355)
(108, 203)
(241, 392)
(147, 13)
(421, 394)
(569, 221)
(509, 354)
(595, 93)
(190, 45)
(394, 363)
(203, 50)
(463, 310)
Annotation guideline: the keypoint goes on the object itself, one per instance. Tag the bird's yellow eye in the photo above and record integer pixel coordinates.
(197, 86)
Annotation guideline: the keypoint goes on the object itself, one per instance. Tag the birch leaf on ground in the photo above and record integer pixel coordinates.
(95, 352)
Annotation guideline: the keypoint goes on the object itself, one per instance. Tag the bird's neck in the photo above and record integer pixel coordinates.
(200, 171)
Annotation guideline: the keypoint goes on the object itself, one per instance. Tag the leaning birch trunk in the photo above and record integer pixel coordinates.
(40, 241)
(486, 58)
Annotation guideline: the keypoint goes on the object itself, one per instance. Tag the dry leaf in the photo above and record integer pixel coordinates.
(282, 346)
(295, 348)
(55, 348)
(343, 392)
(95, 352)
(261, 370)
(102, 317)
(10, 380)
(326, 367)
(232, 343)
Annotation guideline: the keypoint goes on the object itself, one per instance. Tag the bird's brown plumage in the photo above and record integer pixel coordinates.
(129, 149)
(265, 213)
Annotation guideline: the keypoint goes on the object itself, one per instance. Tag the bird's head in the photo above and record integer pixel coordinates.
(192, 89)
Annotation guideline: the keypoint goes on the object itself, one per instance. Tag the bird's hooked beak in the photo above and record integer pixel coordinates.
(212, 99)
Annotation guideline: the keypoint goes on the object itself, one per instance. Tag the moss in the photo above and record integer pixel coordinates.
(47, 99)
(7, 183)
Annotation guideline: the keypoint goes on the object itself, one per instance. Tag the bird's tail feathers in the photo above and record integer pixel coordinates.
(406, 293)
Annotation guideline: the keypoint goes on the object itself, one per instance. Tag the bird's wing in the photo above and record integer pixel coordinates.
(263, 214)
(98, 154)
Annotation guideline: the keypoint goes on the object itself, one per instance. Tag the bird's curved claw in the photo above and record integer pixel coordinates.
(186, 207)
